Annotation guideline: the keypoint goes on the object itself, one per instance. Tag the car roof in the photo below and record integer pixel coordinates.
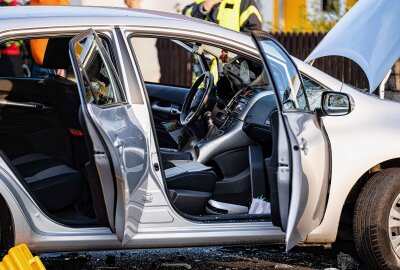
(53, 16)
(84, 16)
(17, 12)
(14, 18)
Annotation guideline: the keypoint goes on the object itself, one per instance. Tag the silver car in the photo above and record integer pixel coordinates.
(262, 148)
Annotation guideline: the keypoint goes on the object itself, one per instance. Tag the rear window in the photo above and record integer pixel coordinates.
(31, 58)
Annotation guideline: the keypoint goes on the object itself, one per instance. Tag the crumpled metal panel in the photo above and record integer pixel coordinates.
(128, 148)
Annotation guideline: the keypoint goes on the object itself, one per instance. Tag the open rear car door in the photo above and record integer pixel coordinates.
(120, 147)
(302, 176)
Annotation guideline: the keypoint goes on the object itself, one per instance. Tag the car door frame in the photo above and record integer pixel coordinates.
(291, 177)
(108, 153)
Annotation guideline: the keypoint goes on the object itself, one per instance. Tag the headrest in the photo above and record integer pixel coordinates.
(57, 54)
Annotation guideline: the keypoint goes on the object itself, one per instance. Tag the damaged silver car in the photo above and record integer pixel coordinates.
(261, 148)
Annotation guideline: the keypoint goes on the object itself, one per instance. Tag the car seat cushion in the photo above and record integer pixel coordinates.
(59, 191)
(54, 184)
(189, 175)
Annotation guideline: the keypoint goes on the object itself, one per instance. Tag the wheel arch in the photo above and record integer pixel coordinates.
(18, 218)
(343, 192)
(346, 216)
(6, 213)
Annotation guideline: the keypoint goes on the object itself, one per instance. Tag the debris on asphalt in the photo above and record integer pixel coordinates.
(176, 265)
(224, 258)
(346, 262)
(110, 260)
(283, 266)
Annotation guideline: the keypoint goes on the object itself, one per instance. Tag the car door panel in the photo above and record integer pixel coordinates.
(24, 93)
(303, 153)
(283, 180)
(118, 133)
(127, 147)
(167, 93)
(166, 102)
(310, 177)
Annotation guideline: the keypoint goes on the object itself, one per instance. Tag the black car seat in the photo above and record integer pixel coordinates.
(191, 185)
(64, 96)
(55, 185)
(168, 154)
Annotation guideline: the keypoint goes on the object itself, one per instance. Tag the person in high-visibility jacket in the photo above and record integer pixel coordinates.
(10, 52)
(38, 46)
(237, 15)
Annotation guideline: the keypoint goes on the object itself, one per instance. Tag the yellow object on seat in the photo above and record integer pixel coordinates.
(20, 258)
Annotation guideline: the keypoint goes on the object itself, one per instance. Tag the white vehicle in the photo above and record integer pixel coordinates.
(103, 159)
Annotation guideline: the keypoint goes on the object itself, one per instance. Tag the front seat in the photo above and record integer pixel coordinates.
(191, 185)
(55, 185)
(168, 154)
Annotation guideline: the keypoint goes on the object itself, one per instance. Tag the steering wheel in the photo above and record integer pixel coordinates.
(197, 99)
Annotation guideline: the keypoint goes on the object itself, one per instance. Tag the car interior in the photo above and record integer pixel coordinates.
(42, 139)
(217, 139)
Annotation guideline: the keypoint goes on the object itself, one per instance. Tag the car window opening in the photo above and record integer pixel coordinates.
(42, 134)
(239, 122)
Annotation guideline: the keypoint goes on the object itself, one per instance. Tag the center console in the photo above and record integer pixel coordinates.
(241, 106)
(231, 134)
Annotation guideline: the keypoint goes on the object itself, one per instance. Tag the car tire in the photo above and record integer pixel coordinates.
(374, 207)
(6, 227)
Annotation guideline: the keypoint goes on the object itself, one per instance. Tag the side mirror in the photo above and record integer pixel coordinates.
(336, 103)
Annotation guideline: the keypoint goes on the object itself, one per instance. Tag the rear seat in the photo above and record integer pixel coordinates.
(55, 184)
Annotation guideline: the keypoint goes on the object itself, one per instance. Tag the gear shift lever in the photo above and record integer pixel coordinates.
(208, 116)
(212, 129)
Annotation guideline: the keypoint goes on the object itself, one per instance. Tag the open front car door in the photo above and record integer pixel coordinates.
(302, 175)
(120, 147)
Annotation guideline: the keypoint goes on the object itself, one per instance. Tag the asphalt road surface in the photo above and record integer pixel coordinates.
(240, 258)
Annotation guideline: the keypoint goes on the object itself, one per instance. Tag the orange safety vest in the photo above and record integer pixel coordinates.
(38, 46)
(50, 3)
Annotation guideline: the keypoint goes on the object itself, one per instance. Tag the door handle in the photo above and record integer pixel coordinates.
(167, 110)
(303, 146)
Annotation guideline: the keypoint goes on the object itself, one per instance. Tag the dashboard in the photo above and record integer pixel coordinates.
(241, 105)
(249, 115)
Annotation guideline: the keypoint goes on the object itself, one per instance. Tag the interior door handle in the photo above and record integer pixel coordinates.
(26, 105)
(167, 110)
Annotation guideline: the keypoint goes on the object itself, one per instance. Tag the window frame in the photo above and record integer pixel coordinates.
(325, 88)
(177, 42)
(49, 34)
(176, 37)
(110, 67)
(108, 58)
(260, 40)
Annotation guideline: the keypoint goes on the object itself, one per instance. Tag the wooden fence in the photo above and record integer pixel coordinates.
(175, 62)
(300, 45)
